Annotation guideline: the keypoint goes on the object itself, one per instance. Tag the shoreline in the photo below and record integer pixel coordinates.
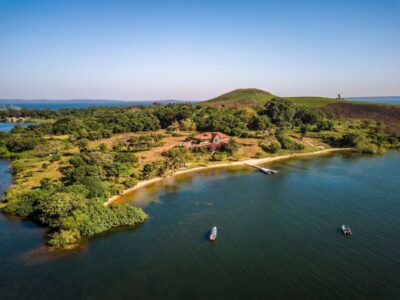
(254, 161)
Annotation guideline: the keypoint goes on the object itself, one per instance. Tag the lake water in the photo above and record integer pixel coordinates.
(379, 100)
(61, 104)
(5, 126)
(278, 238)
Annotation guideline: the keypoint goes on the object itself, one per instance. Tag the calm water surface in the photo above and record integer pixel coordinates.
(5, 126)
(279, 238)
(379, 100)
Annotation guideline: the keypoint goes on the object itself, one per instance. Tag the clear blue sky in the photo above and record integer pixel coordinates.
(197, 49)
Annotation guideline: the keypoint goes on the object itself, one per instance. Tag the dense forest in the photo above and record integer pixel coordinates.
(80, 177)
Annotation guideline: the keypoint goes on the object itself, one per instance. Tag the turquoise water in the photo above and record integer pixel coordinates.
(278, 238)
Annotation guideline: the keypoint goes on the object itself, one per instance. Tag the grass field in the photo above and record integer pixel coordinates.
(313, 101)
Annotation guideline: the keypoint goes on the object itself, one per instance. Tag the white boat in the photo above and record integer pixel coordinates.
(213, 234)
(346, 230)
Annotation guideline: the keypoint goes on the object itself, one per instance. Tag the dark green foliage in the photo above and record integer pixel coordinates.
(127, 158)
(4, 153)
(51, 210)
(260, 123)
(154, 169)
(325, 125)
(273, 147)
(55, 157)
(218, 156)
(280, 111)
(117, 169)
(175, 158)
(22, 144)
(68, 125)
(308, 116)
(23, 204)
(231, 147)
(347, 140)
(64, 238)
(144, 142)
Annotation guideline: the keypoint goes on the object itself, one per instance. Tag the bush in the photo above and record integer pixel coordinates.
(287, 143)
(4, 153)
(55, 157)
(22, 144)
(273, 147)
(218, 156)
(64, 238)
(101, 218)
(130, 182)
(325, 125)
(231, 147)
(260, 155)
(23, 204)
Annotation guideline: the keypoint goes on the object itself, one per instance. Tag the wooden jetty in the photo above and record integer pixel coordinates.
(264, 170)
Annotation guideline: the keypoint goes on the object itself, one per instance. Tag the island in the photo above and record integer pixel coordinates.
(72, 165)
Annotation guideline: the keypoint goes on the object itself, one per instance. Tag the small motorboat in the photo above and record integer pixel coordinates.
(213, 234)
(346, 230)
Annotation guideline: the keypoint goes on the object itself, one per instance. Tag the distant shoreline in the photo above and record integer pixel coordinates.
(255, 161)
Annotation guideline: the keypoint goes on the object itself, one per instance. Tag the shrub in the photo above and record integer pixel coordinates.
(231, 147)
(287, 143)
(259, 155)
(218, 156)
(55, 157)
(273, 147)
(64, 238)
(23, 204)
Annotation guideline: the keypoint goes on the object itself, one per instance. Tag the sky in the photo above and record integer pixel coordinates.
(194, 50)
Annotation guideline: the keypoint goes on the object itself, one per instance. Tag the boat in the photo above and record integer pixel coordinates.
(346, 230)
(268, 171)
(213, 234)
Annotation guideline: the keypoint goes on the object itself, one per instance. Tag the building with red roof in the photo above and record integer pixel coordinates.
(211, 138)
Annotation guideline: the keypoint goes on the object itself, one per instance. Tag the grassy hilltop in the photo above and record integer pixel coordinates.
(254, 97)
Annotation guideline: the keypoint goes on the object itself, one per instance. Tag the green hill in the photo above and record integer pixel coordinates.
(253, 97)
(241, 97)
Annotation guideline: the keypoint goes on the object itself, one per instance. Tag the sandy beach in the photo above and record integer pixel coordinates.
(255, 161)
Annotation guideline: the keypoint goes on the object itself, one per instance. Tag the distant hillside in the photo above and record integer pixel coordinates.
(252, 97)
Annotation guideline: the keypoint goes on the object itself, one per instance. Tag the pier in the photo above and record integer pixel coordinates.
(264, 170)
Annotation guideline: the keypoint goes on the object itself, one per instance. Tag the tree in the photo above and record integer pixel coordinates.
(57, 206)
(231, 147)
(117, 147)
(116, 170)
(188, 125)
(280, 111)
(260, 123)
